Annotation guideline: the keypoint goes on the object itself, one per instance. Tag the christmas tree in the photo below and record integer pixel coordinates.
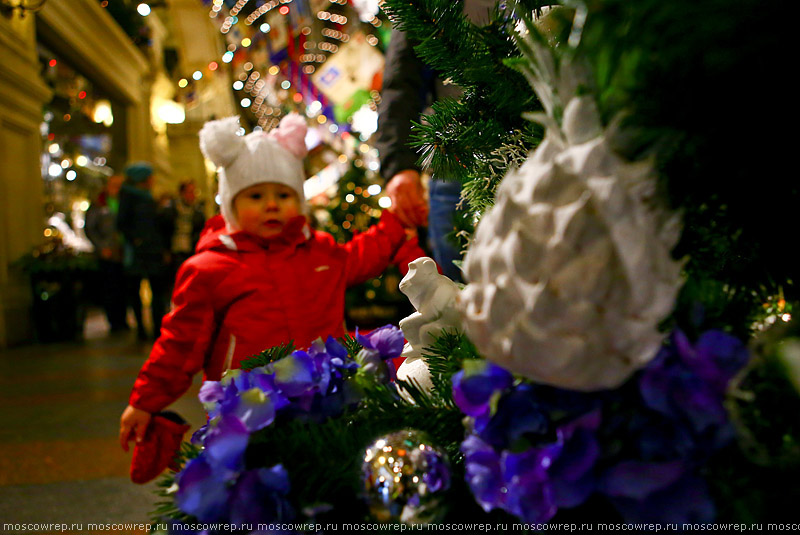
(624, 349)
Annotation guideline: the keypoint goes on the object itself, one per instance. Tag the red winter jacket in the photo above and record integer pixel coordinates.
(242, 294)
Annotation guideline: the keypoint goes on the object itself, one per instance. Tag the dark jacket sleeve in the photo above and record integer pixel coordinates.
(92, 226)
(402, 101)
(126, 215)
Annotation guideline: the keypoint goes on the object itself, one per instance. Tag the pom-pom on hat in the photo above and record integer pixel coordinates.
(245, 161)
(138, 172)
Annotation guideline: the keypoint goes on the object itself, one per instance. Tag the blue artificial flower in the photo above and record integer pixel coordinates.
(388, 341)
(483, 473)
(255, 409)
(226, 442)
(518, 415)
(297, 377)
(259, 497)
(340, 359)
(203, 490)
(640, 479)
(684, 500)
(199, 436)
(211, 392)
(515, 482)
(529, 494)
(572, 472)
(478, 385)
(716, 357)
(688, 383)
(265, 381)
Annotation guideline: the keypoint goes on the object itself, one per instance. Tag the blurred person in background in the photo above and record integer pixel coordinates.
(409, 89)
(186, 218)
(101, 229)
(146, 252)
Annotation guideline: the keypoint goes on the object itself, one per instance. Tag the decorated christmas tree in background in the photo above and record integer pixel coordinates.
(353, 209)
(624, 348)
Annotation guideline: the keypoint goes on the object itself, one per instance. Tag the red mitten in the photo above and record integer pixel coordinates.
(161, 444)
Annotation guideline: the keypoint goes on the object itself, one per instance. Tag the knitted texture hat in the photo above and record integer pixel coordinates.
(245, 161)
(138, 172)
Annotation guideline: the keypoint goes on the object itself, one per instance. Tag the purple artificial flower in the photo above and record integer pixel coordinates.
(332, 361)
(203, 490)
(299, 378)
(572, 473)
(223, 397)
(211, 392)
(265, 381)
(529, 494)
(340, 359)
(515, 482)
(254, 409)
(686, 500)
(199, 436)
(259, 497)
(717, 357)
(639, 479)
(688, 383)
(226, 442)
(483, 473)
(388, 341)
(518, 414)
(478, 385)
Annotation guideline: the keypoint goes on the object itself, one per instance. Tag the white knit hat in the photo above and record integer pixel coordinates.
(244, 161)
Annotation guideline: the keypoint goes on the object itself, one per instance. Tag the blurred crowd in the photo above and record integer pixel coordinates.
(136, 238)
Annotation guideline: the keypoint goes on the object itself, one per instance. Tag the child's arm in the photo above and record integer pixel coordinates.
(178, 354)
(371, 252)
(408, 252)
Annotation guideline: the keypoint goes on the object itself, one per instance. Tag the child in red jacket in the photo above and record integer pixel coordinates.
(262, 279)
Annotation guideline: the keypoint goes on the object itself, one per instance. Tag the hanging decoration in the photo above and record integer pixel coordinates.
(284, 43)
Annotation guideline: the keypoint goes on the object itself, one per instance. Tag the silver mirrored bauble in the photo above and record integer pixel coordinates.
(405, 478)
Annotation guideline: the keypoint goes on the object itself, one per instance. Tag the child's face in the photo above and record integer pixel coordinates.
(265, 208)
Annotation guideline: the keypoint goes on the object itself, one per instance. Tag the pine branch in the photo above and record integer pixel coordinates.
(460, 133)
(268, 356)
(351, 345)
(481, 186)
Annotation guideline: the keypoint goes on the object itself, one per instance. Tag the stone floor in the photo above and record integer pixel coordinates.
(60, 459)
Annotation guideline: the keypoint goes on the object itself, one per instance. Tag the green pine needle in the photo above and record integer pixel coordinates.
(268, 356)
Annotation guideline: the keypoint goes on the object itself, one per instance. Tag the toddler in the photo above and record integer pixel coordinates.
(261, 279)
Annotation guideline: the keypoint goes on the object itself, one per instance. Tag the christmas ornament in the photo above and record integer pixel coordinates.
(570, 272)
(434, 297)
(405, 478)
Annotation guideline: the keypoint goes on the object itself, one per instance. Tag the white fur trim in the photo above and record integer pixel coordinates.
(228, 242)
(229, 354)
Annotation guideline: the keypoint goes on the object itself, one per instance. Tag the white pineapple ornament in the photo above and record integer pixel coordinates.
(570, 271)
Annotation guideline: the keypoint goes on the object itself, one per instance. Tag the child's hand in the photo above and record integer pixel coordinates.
(134, 421)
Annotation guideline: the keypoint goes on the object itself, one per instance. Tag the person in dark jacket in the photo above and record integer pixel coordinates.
(186, 219)
(101, 229)
(146, 250)
(409, 88)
